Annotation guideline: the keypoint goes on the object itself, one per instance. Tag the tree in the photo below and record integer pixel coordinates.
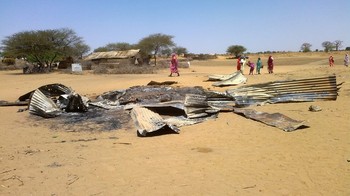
(180, 50)
(306, 47)
(338, 44)
(236, 50)
(166, 51)
(44, 47)
(328, 46)
(81, 49)
(155, 43)
(118, 46)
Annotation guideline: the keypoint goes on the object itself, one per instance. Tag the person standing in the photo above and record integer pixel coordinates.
(270, 64)
(243, 63)
(346, 60)
(174, 65)
(331, 61)
(258, 66)
(239, 64)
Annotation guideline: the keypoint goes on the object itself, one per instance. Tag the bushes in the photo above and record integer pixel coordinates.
(201, 56)
(8, 61)
(124, 69)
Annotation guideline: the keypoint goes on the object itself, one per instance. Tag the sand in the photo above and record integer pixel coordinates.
(230, 155)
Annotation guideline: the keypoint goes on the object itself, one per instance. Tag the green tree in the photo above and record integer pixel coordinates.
(44, 46)
(180, 50)
(328, 46)
(81, 49)
(166, 51)
(236, 50)
(115, 47)
(155, 43)
(306, 47)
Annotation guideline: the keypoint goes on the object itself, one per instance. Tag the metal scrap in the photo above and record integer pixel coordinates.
(162, 107)
(301, 90)
(147, 121)
(275, 119)
(43, 106)
(228, 79)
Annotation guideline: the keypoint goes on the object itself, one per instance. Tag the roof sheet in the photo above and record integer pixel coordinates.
(113, 54)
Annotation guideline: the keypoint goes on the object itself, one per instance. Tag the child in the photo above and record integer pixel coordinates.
(251, 65)
(258, 65)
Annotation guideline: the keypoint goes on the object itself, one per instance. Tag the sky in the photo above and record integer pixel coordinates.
(201, 26)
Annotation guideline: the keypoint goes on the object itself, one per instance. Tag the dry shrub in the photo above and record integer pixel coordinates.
(19, 64)
(86, 65)
(124, 69)
(100, 70)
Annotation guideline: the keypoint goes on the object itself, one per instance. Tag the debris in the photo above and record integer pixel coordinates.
(16, 103)
(161, 83)
(73, 179)
(50, 90)
(315, 108)
(220, 77)
(197, 106)
(147, 121)
(40, 105)
(15, 177)
(158, 108)
(76, 103)
(275, 119)
(249, 187)
(6, 171)
(301, 90)
(55, 164)
(234, 79)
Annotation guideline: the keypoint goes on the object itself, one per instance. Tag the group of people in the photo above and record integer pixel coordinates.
(331, 60)
(243, 61)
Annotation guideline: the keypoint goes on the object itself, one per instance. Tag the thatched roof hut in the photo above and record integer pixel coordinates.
(116, 57)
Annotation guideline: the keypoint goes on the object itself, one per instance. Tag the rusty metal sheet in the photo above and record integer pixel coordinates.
(147, 121)
(275, 119)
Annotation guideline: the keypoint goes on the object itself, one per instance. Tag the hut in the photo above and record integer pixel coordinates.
(125, 57)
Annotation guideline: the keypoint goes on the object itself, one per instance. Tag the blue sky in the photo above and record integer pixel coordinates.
(201, 26)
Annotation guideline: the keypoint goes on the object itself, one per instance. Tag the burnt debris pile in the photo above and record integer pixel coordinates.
(158, 106)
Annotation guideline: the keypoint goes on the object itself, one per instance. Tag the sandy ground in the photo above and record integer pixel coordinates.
(230, 155)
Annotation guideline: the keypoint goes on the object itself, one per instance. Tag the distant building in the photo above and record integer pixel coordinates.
(126, 57)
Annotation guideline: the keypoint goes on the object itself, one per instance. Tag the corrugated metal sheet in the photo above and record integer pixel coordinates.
(197, 106)
(234, 79)
(43, 106)
(113, 54)
(50, 90)
(301, 90)
(147, 121)
(275, 119)
(220, 77)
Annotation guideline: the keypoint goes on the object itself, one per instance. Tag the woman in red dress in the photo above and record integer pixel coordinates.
(239, 64)
(331, 61)
(270, 64)
(173, 65)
